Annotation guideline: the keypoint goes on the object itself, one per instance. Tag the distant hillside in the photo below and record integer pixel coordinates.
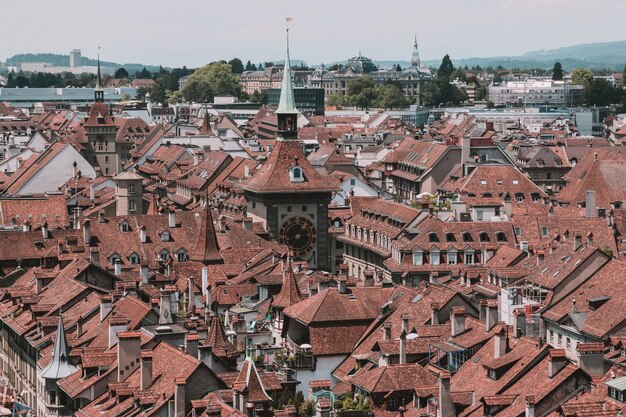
(601, 55)
(64, 61)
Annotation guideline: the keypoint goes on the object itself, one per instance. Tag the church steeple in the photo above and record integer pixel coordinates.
(287, 113)
(415, 56)
(99, 91)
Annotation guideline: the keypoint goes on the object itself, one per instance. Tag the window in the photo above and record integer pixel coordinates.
(452, 258)
(165, 236)
(288, 209)
(560, 339)
(551, 335)
(432, 237)
(469, 258)
(519, 197)
(434, 258)
(484, 237)
(163, 255)
(134, 259)
(500, 237)
(492, 374)
(114, 259)
(106, 159)
(544, 231)
(124, 227)
(518, 231)
(296, 174)
(568, 342)
(305, 208)
(450, 237)
(132, 205)
(352, 181)
(181, 256)
(479, 215)
(467, 237)
(418, 258)
(131, 189)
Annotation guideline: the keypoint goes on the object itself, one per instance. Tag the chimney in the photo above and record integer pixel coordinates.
(79, 327)
(403, 347)
(590, 204)
(172, 218)
(578, 241)
(405, 323)
(101, 218)
(128, 354)
(87, 232)
(387, 332)
(196, 158)
(205, 280)
(499, 342)
(369, 278)
(222, 224)
(491, 317)
(26, 227)
(557, 362)
(434, 310)
(246, 171)
(143, 236)
(205, 355)
(191, 291)
(342, 285)
(165, 310)
(530, 406)
(457, 321)
(144, 272)
(44, 231)
(179, 397)
(105, 306)
(519, 323)
(446, 406)
(117, 324)
(465, 154)
(38, 286)
(146, 370)
(191, 344)
(92, 193)
(591, 358)
(94, 256)
(434, 277)
(117, 268)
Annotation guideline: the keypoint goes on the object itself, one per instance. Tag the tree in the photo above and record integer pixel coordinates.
(336, 100)
(391, 97)
(174, 97)
(248, 66)
(582, 76)
(334, 67)
(361, 92)
(398, 68)
(236, 65)
(458, 74)
(600, 92)
(446, 68)
(121, 73)
(557, 71)
(215, 79)
(624, 76)
(126, 97)
(259, 97)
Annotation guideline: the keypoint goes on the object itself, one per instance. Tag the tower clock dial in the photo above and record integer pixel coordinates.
(299, 234)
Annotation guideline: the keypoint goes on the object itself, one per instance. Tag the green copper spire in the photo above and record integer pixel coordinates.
(287, 103)
(99, 91)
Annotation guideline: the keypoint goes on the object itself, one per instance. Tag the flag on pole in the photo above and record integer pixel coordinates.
(19, 410)
(289, 18)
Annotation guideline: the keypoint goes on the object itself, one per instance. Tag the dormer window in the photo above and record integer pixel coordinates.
(616, 388)
(500, 237)
(114, 258)
(133, 258)
(467, 237)
(296, 174)
(165, 236)
(163, 255)
(449, 237)
(432, 237)
(124, 227)
(484, 237)
(181, 256)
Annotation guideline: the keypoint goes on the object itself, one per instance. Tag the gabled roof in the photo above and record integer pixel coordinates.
(216, 339)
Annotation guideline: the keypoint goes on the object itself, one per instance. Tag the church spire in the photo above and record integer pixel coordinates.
(60, 366)
(99, 91)
(415, 56)
(287, 112)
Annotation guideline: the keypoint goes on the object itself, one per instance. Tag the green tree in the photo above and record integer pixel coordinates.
(248, 66)
(361, 92)
(390, 96)
(600, 92)
(582, 76)
(307, 409)
(557, 71)
(121, 73)
(215, 79)
(624, 76)
(446, 68)
(259, 97)
(398, 68)
(334, 67)
(236, 65)
(458, 74)
(336, 100)
(126, 97)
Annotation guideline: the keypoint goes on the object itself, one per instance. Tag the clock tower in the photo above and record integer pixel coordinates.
(288, 195)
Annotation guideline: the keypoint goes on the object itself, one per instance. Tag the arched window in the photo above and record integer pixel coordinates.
(124, 227)
(450, 237)
(500, 237)
(432, 237)
(163, 255)
(296, 174)
(467, 237)
(484, 237)
(134, 259)
(181, 256)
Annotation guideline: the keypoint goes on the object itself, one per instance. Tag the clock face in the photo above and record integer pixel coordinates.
(299, 234)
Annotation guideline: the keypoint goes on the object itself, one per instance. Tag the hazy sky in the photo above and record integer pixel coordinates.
(194, 32)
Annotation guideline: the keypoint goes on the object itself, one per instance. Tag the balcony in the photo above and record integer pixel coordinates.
(301, 355)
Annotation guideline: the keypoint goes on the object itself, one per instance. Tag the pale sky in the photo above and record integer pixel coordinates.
(195, 32)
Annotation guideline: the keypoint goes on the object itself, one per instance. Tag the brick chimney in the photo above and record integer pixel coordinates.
(106, 305)
(128, 354)
(491, 317)
(402, 349)
(45, 231)
(530, 406)
(179, 397)
(191, 344)
(146, 369)
(446, 406)
(591, 358)
(557, 362)
(499, 342)
(117, 324)
(457, 321)
(434, 310)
